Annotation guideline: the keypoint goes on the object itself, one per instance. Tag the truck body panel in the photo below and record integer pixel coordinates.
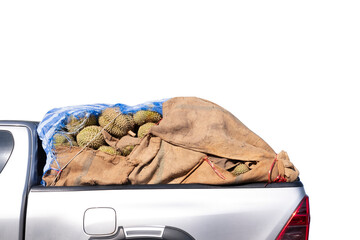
(205, 213)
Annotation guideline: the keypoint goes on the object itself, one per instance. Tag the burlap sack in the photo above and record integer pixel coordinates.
(119, 144)
(170, 164)
(263, 171)
(89, 167)
(192, 131)
(197, 141)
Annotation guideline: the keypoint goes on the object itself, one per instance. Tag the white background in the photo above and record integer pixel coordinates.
(287, 69)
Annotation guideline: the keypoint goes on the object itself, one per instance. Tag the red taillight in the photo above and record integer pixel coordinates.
(297, 228)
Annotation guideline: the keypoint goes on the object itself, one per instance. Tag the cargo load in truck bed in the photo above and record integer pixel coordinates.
(180, 140)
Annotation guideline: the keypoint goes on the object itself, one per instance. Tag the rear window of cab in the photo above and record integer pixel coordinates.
(6, 147)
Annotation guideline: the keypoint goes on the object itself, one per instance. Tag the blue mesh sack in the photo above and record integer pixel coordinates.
(61, 125)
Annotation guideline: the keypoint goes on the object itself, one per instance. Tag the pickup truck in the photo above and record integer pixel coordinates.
(30, 211)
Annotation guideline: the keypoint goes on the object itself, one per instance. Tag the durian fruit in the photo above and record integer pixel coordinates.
(75, 125)
(240, 169)
(122, 124)
(87, 135)
(108, 149)
(144, 129)
(144, 116)
(62, 139)
(127, 150)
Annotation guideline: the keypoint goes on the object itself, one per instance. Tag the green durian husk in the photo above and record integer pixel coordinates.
(127, 150)
(74, 125)
(63, 139)
(120, 124)
(108, 149)
(87, 136)
(144, 116)
(240, 169)
(144, 129)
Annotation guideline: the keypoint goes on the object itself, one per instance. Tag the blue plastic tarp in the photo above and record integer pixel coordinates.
(55, 120)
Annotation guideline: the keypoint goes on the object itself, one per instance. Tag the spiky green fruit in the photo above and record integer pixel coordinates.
(108, 149)
(144, 116)
(64, 140)
(120, 124)
(240, 169)
(144, 129)
(75, 125)
(127, 150)
(92, 136)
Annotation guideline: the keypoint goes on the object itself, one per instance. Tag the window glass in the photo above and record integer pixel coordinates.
(6, 147)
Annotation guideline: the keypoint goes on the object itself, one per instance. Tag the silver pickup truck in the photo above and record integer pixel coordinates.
(30, 211)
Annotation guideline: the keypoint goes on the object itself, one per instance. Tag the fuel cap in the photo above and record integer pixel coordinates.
(100, 221)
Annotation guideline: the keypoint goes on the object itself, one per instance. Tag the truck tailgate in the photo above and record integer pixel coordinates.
(250, 211)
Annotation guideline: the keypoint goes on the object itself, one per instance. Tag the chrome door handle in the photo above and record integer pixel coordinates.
(145, 231)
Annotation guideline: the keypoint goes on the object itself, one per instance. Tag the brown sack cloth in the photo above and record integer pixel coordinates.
(171, 164)
(90, 167)
(197, 141)
(194, 131)
(120, 143)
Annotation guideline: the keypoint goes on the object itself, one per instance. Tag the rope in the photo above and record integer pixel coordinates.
(279, 178)
(206, 159)
(81, 150)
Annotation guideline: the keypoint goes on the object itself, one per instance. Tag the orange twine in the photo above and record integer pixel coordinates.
(278, 178)
(206, 159)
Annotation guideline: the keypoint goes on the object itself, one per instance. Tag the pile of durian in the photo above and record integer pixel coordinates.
(86, 131)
